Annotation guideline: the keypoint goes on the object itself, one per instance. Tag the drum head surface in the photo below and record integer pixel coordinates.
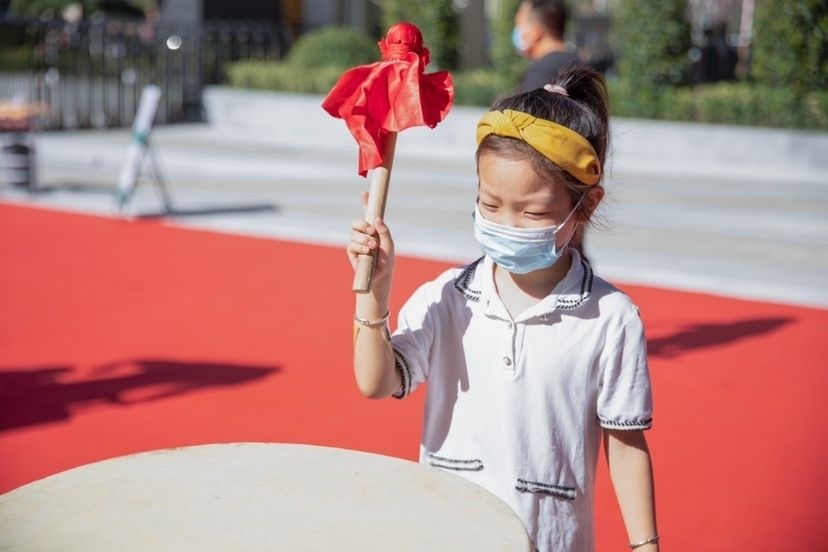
(256, 496)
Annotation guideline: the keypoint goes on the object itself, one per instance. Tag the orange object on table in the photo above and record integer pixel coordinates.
(17, 116)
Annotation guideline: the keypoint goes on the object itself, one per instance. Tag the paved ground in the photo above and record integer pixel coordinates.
(689, 227)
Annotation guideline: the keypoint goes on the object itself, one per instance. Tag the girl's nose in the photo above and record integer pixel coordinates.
(508, 218)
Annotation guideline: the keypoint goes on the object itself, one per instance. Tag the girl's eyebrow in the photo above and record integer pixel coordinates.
(484, 189)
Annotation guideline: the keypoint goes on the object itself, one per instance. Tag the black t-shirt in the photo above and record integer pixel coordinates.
(543, 70)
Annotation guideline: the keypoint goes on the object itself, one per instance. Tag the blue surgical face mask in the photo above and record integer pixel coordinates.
(521, 250)
(517, 40)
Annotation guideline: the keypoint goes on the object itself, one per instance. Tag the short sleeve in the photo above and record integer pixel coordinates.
(412, 341)
(625, 396)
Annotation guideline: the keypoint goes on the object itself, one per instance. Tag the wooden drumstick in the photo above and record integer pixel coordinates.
(375, 208)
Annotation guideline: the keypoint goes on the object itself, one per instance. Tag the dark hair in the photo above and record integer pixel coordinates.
(584, 110)
(551, 14)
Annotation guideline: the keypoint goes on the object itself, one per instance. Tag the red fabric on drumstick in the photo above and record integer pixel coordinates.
(390, 95)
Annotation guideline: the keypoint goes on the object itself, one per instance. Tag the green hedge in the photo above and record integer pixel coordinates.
(333, 46)
(313, 64)
(724, 103)
(480, 86)
(282, 76)
(15, 59)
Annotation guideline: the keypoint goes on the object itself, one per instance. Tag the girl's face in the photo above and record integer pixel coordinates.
(512, 194)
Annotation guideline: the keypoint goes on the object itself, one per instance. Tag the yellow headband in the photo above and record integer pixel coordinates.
(564, 147)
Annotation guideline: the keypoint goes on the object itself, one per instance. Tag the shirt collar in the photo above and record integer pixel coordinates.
(476, 283)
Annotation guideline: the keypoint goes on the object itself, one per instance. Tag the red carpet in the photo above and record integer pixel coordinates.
(118, 337)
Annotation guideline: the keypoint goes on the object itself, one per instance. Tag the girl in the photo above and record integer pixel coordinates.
(531, 359)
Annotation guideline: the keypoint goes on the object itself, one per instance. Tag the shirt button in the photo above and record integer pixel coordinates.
(507, 361)
(509, 325)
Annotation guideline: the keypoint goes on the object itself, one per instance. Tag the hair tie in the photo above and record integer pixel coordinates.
(556, 89)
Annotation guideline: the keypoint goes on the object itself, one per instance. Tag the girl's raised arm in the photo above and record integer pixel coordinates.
(374, 370)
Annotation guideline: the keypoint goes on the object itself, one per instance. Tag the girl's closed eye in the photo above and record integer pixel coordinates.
(537, 214)
(488, 206)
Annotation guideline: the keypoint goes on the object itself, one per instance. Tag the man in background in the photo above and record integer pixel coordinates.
(539, 35)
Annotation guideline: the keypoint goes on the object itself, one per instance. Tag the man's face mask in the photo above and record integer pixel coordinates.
(517, 40)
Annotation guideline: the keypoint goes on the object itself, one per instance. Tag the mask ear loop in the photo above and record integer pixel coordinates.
(574, 226)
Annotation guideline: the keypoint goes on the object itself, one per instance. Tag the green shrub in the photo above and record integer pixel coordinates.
(727, 103)
(477, 87)
(652, 39)
(631, 99)
(504, 57)
(341, 47)
(313, 64)
(265, 75)
(438, 22)
(480, 87)
(15, 59)
(790, 45)
(815, 109)
(721, 103)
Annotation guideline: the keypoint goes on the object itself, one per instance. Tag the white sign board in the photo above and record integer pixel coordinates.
(141, 128)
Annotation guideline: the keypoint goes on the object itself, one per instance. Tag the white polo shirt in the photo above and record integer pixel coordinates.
(517, 406)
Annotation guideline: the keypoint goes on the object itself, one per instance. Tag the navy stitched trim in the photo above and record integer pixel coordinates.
(630, 425)
(536, 487)
(405, 375)
(586, 290)
(455, 463)
(461, 283)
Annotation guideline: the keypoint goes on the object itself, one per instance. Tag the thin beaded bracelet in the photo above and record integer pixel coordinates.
(651, 540)
(372, 323)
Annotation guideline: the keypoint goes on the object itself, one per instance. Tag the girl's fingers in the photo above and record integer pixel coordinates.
(359, 249)
(363, 226)
(363, 239)
(383, 232)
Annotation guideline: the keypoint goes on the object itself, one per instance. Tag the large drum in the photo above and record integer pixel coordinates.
(256, 496)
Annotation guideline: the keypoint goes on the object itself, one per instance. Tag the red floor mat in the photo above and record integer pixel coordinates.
(118, 337)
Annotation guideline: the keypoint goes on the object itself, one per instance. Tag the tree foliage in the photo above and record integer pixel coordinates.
(652, 39)
(438, 21)
(504, 57)
(36, 8)
(791, 44)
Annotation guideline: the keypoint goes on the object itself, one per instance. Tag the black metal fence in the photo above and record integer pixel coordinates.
(90, 74)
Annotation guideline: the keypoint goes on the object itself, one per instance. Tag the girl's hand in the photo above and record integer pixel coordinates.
(373, 239)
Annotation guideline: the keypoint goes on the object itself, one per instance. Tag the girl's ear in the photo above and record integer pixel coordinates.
(591, 201)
